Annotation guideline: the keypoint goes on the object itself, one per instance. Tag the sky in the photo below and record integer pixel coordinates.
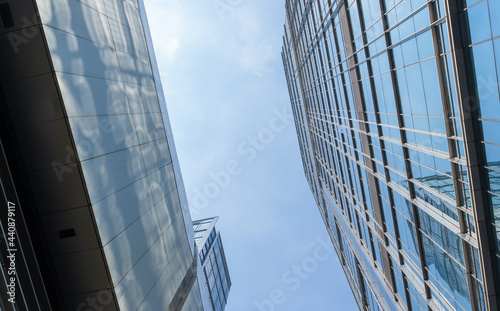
(225, 88)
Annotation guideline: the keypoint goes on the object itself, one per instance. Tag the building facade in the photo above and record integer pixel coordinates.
(93, 209)
(213, 273)
(397, 111)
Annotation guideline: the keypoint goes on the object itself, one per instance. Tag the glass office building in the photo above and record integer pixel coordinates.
(397, 111)
(88, 160)
(213, 271)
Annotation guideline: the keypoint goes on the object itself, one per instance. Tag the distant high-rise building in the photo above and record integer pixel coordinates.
(213, 271)
(92, 205)
(397, 111)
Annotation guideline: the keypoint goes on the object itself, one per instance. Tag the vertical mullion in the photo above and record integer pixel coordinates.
(474, 150)
(359, 101)
(406, 154)
(462, 220)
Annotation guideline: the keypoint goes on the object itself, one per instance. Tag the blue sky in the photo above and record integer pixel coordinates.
(222, 74)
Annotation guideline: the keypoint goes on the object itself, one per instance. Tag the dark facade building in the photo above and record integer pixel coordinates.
(93, 209)
(213, 271)
(397, 111)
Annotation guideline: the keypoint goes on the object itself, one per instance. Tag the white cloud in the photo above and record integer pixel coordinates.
(256, 50)
(189, 27)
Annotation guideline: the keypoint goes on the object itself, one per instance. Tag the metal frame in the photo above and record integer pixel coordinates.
(474, 150)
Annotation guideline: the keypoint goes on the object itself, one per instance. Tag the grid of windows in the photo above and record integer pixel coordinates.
(217, 276)
(213, 261)
(388, 135)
